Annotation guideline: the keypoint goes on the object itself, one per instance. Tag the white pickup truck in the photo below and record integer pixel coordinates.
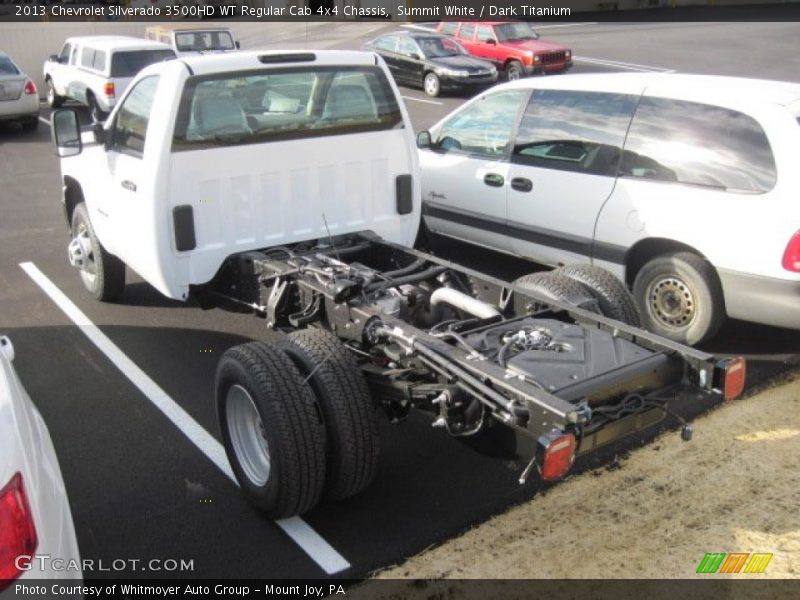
(287, 183)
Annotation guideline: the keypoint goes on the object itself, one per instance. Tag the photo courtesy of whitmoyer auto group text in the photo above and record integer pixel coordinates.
(400, 299)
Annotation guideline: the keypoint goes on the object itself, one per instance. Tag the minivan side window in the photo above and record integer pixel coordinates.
(574, 131)
(484, 128)
(699, 144)
(130, 127)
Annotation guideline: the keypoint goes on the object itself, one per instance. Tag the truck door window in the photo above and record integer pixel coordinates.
(130, 126)
(484, 128)
(87, 58)
(467, 32)
(574, 131)
(698, 144)
(485, 34)
(73, 60)
(64, 56)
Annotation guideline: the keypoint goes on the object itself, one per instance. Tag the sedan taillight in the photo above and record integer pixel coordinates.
(18, 540)
(791, 257)
(30, 88)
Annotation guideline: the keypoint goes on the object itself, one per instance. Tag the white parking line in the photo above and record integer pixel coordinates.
(45, 121)
(304, 536)
(422, 100)
(622, 65)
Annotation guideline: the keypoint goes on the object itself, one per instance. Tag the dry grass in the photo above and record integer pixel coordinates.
(733, 488)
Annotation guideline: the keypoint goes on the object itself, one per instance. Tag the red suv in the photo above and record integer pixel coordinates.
(513, 47)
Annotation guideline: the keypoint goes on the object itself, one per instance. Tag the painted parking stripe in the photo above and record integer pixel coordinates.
(622, 65)
(422, 100)
(296, 528)
(45, 121)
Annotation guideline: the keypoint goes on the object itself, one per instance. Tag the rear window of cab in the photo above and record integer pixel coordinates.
(234, 109)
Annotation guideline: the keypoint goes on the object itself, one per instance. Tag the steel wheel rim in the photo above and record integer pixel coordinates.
(431, 87)
(513, 74)
(247, 435)
(89, 273)
(671, 302)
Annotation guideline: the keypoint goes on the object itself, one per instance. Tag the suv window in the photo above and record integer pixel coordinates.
(699, 144)
(128, 63)
(485, 33)
(130, 126)
(483, 128)
(467, 32)
(448, 28)
(574, 131)
(200, 41)
(229, 110)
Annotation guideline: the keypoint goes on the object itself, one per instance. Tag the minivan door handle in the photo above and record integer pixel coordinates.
(128, 185)
(493, 179)
(522, 184)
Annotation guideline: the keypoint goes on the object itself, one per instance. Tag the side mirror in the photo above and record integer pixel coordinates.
(491, 42)
(424, 139)
(415, 56)
(53, 58)
(238, 45)
(66, 133)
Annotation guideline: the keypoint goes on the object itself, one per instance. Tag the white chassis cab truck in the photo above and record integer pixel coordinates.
(287, 183)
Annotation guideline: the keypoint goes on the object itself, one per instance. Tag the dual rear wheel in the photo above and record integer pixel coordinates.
(298, 422)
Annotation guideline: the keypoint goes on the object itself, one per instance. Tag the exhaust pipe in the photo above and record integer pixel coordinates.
(462, 301)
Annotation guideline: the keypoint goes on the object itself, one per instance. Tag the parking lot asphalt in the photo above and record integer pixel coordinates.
(135, 444)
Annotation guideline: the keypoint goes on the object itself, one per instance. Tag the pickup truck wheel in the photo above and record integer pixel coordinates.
(432, 85)
(555, 286)
(102, 273)
(53, 99)
(271, 429)
(680, 297)
(615, 301)
(351, 422)
(515, 70)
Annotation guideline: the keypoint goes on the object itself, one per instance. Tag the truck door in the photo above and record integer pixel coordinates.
(129, 178)
(564, 166)
(465, 172)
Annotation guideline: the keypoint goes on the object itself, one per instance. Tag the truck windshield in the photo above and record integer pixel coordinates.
(234, 109)
(202, 41)
(128, 63)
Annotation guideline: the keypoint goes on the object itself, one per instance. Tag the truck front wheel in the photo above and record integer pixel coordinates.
(102, 273)
(351, 421)
(273, 434)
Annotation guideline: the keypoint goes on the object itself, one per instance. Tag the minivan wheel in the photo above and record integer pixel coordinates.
(514, 70)
(432, 85)
(679, 297)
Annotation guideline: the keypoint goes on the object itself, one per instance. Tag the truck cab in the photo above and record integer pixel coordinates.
(211, 156)
(192, 41)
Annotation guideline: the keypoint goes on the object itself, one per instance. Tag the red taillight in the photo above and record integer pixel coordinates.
(30, 88)
(791, 258)
(556, 455)
(17, 530)
(734, 372)
(109, 89)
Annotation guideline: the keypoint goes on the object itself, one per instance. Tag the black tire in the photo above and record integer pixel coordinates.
(105, 278)
(679, 296)
(30, 124)
(553, 286)
(614, 299)
(351, 422)
(95, 112)
(53, 99)
(514, 70)
(284, 412)
(431, 84)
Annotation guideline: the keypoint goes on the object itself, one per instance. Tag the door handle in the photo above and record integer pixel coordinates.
(493, 179)
(522, 184)
(128, 185)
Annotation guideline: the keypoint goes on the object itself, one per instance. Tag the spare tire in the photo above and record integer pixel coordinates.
(552, 285)
(614, 299)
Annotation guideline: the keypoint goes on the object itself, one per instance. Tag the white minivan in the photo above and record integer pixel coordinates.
(685, 186)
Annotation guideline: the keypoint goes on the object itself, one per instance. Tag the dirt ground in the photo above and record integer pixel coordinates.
(734, 488)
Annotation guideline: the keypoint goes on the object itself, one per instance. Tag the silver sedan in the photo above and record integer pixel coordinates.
(19, 99)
